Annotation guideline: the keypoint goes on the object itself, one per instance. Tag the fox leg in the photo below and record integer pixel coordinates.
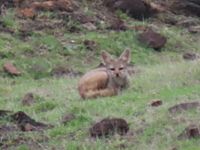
(100, 93)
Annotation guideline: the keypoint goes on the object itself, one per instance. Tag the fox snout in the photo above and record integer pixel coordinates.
(117, 73)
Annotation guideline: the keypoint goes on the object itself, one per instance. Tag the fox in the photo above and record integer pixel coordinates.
(108, 80)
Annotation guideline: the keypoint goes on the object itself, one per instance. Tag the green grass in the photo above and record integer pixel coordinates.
(160, 75)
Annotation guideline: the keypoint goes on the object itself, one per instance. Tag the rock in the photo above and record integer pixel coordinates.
(108, 127)
(90, 45)
(184, 106)
(156, 103)
(28, 99)
(11, 69)
(190, 56)
(138, 9)
(67, 118)
(193, 131)
(152, 39)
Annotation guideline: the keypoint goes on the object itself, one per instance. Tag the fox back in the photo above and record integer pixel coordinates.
(108, 80)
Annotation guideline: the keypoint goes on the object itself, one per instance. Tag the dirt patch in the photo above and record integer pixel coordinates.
(184, 106)
(61, 71)
(192, 131)
(152, 39)
(28, 99)
(108, 127)
(25, 123)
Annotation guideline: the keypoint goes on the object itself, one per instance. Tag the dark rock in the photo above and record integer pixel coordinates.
(152, 39)
(138, 9)
(156, 103)
(184, 106)
(90, 45)
(108, 127)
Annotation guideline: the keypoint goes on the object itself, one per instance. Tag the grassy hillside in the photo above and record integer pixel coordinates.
(158, 75)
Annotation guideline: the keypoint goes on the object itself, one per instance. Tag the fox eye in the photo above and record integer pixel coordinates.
(112, 69)
(121, 68)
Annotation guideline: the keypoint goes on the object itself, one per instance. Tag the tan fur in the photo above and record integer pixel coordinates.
(108, 80)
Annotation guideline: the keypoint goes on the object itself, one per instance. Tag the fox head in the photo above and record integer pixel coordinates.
(117, 67)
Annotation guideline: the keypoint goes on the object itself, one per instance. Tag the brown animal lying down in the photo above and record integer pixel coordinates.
(108, 80)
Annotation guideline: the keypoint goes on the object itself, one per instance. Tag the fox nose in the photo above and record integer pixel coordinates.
(117, 74)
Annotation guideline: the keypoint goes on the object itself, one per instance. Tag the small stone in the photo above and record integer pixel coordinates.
(108, 127)
(156, 103)
(90, 45)
(11, 69)
(152, 39)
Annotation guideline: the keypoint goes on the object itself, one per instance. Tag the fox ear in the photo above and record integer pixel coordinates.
(126, 56)
(106, 58)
